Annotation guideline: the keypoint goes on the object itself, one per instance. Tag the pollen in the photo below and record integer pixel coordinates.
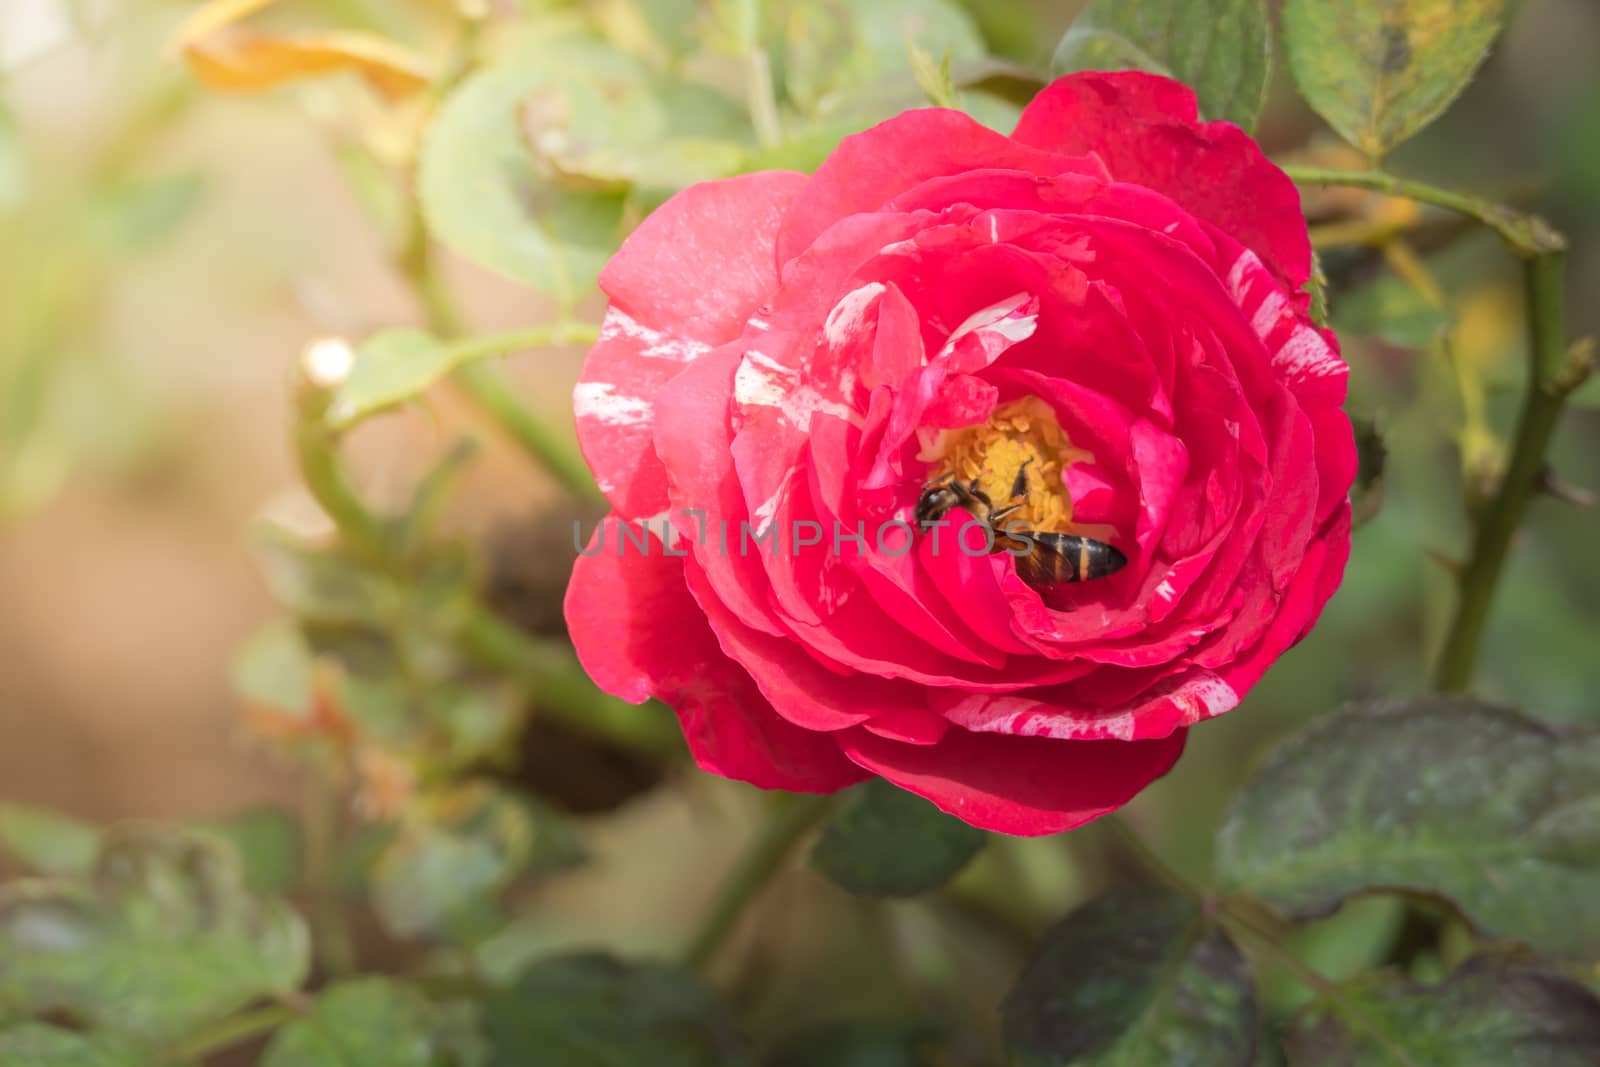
(1021, 432)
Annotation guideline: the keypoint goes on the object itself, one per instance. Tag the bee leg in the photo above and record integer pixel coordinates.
(1020, 486)
(1002, 515)
(943, 479)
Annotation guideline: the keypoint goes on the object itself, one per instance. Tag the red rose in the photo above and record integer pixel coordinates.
(1111, 296)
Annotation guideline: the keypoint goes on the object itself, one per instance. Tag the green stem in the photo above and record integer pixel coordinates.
(1233, 916)
(763, 103)
(563, 690)
(1314, 980)
(1554, 372)
(231, 1031)
(551, 449)
(1528, 235)
(331, 939)
(784, 828)
(316, 446)
(1142, 854)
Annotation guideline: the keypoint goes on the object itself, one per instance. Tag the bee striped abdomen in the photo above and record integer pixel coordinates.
(1070, 558)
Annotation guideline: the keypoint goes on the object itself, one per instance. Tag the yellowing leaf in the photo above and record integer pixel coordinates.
(209, 18)
(244, 60)
(1380, 70)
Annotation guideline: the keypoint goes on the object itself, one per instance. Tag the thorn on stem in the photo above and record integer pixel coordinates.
(1551, 485)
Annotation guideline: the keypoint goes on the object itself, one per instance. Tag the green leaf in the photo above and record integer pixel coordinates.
(592, 1010)
(274, 668)
(1492, 1012)
(853, 1043)
(368, 1022)
(933, 78)
(483, 196)
(526, 167)
(1136, 977)
(1445, 796)
(438, 873)
(1220, 48)
(886, 842)
(161, 938)
(39, 1045)
(390, 369)
(836, 51)
(1380, 70)
(269, 845)
(46, 842)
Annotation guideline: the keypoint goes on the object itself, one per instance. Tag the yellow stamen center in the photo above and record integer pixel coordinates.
(993, 452)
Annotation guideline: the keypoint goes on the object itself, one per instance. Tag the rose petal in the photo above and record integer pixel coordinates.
(1025, 786)
(1147, 130)
(639, 634)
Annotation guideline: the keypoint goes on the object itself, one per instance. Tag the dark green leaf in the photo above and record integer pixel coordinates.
(1492, 1012)
(163, 937)
(1135, 978)
(1380, 70)
(46, 842)
(368, 1022)
(437, 873)
(853, 1043)
(886, 842)
(268, 843)
(1220, 48)
(38, 1045)
(1447, 796)
(593, 1010)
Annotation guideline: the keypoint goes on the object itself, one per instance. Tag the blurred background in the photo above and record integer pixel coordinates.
(167, 253)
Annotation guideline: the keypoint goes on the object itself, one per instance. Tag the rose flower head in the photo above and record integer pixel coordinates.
(984, 464)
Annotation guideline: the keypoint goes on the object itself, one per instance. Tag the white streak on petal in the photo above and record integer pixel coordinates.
(1306, 355)
(1165, 590)
(1246, 261)
(763, 515)
(762, 381)
(601, 401)
(1266, 316)
(995, 318)
(656, 344)
(849, 315)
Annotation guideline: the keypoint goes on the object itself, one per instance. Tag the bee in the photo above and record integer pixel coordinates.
(1043, 559)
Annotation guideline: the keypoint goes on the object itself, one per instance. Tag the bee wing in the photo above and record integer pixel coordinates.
(1079, 559)
(1044, 564)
